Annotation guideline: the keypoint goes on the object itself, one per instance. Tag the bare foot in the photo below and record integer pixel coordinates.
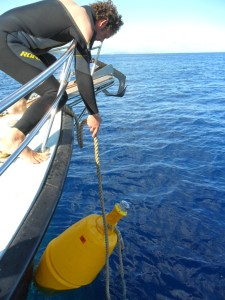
(18, 108)
(34, 157)
(11, 142)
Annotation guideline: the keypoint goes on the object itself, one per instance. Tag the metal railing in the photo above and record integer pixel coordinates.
(66, 59)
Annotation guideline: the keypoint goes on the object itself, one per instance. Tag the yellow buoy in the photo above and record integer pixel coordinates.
(75, 257)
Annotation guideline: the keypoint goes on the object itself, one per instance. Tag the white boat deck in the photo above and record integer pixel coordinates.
(21, 182)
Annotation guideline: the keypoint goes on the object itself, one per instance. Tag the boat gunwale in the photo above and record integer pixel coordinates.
(16, 263)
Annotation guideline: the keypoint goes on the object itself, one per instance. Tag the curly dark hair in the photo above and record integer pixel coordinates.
(107, 10)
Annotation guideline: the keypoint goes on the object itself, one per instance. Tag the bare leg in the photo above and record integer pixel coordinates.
(18, 108)
(13, 139)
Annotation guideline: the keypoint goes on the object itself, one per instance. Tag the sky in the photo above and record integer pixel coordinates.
(162, 26)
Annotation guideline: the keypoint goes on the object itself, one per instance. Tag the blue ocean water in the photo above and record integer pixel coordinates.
(161, 149)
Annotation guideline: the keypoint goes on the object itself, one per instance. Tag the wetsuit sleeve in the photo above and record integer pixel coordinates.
(84, 79)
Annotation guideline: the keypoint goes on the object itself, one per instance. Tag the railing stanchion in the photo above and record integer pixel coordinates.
(63, 84)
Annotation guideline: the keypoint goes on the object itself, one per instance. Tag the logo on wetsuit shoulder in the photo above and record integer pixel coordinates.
(29, 55)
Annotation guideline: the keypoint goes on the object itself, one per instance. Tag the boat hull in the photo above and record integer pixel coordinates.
(16, 265)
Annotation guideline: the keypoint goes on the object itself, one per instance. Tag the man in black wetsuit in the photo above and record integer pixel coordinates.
(27, 33)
